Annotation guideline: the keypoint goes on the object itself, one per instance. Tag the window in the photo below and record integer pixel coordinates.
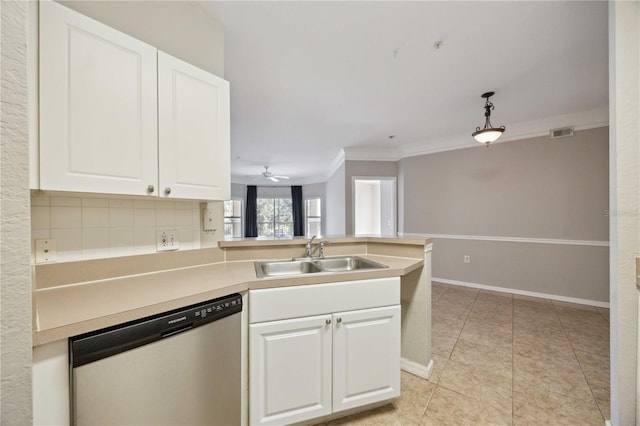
(313, 218)
(233, 219)
(275, 217)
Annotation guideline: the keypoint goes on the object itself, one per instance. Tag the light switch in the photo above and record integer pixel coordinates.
(209, 218)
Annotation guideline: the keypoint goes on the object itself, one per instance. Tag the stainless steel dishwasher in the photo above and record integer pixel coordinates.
(177, 368)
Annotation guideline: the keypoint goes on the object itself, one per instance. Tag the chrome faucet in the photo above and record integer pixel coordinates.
(321, 248)
(307, 248)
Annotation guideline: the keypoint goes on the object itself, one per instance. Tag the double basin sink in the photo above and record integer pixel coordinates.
(300, 266)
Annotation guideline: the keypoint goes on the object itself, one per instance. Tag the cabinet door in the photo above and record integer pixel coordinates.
(366, 356)
(193, 131)
(98, 106)
(290, 370)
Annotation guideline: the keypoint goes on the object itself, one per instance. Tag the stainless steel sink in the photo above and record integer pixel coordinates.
(349, 263)
(278, 268)
(284, 268)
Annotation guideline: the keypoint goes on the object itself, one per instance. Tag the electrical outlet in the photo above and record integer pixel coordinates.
(46, 251)
(467, 258)
(167, 240)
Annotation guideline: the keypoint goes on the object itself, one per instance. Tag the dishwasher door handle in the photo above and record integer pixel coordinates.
(175, 331)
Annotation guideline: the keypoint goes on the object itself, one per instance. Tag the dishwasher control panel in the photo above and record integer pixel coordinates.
(203, 313)
(222, 306)
(106, 342)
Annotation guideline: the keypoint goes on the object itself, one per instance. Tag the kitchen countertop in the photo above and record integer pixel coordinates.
(98, 296)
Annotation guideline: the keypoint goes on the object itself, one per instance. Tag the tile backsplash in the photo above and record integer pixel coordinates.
(86, 227)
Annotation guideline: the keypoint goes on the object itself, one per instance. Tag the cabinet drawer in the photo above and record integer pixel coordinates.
(317, 299)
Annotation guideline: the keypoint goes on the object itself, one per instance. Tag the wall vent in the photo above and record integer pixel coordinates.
(563, 132)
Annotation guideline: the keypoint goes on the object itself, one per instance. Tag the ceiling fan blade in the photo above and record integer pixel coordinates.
(282, 177)
(272, 178)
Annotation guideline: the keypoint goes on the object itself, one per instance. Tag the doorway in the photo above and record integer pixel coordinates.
(374, 206)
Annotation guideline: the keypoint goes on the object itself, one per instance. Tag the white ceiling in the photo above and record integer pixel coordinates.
(311, 78)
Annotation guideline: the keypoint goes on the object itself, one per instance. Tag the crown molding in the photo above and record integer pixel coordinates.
(337, 162)
(516, 131)
(372, 154)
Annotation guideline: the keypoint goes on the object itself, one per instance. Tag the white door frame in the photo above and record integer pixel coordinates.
(394, 213)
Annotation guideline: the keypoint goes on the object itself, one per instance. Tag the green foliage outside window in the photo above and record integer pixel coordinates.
(275, 217)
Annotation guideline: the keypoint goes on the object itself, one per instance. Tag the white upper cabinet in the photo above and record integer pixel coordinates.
(193, 110)
(98, 106)
(118, 117)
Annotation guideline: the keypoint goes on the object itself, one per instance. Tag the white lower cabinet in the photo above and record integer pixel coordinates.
(366, 357)
(309, 367)
(290, 370)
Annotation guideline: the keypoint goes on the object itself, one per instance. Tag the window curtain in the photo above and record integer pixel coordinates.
(298, 211)
(251, 212)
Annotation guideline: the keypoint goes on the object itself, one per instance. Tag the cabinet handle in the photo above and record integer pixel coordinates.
(167, 190)
(328, 321)
(150, 189)
(339, 320)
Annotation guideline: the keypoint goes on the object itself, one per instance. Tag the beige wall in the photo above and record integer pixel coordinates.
(624, 90)
(335, 203)
(540, 205)
(15, 273)
(535, 188)
(362, 169)
(179, 28)
(555, 269)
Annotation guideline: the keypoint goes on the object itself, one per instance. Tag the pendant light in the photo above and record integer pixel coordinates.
(488, 133)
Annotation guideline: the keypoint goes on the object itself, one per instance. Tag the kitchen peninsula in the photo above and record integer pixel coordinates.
(73, 298)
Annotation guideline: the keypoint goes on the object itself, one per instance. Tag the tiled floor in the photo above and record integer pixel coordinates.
(503, 359)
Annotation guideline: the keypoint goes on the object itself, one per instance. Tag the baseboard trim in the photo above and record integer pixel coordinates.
(509, 239)
(417, 369)
(588, 302)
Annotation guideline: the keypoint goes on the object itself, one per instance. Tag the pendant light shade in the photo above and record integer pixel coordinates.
(488, 133)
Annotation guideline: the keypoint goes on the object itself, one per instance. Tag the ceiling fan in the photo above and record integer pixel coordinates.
(270, 176)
